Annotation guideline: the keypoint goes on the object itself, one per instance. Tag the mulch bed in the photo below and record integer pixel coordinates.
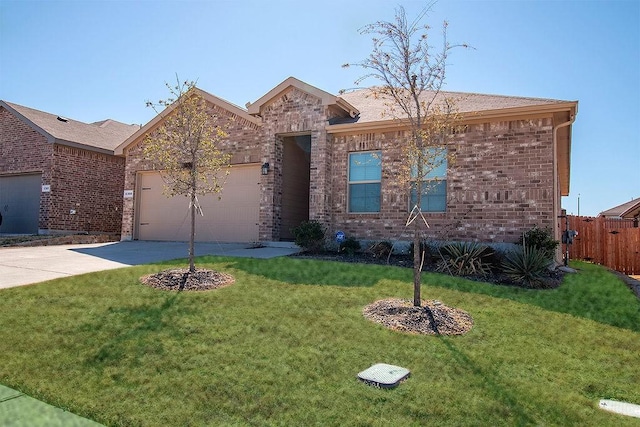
(552, 280)
(180, 279)
(357, 258)
(431, 318)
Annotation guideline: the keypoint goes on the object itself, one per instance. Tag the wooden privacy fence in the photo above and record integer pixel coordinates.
(614, 243)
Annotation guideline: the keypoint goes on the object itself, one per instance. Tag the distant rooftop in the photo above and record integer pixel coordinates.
(630, 209)
(104, 135)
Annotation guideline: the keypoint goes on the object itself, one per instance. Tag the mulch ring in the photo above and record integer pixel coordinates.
(180, 279)
(432, 318)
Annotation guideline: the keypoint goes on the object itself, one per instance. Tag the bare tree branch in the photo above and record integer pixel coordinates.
(186, 148)
(410, 73)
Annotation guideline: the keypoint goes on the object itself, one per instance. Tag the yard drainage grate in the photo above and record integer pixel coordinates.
(623, 408)
(383, 375)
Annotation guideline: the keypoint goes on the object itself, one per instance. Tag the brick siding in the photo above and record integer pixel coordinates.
(499, 185)
(91, 184)
(294, 112)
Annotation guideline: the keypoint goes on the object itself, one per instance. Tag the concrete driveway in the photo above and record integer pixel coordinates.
(26, 265)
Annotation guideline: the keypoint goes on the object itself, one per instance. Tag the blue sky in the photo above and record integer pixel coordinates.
(91, 60)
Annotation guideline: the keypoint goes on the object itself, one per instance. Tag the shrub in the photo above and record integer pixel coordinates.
(381, 249)
(540, 239)
(527, 266)
(309, 236)
(350, 246)
(465, 259)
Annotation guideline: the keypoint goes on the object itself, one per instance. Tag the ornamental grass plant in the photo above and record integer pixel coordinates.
(465, 259)
(527, 265)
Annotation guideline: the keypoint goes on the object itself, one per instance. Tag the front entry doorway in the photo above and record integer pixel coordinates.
(296, 167)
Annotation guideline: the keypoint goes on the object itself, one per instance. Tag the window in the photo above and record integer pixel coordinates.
(434, 182)
(365, 172)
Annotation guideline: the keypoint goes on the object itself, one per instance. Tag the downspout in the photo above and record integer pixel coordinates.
(556, 190)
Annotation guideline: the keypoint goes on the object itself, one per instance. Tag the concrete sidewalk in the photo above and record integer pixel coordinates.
(26, 265)
(19, 410)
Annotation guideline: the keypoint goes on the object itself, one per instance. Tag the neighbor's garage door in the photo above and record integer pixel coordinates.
(20, 203)
(233, 218)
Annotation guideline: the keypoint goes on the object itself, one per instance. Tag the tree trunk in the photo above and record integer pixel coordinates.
(417, 264)
(192, 236)
(417, 252)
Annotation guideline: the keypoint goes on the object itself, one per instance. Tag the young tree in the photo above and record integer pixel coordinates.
(410, 74)
(186, 149)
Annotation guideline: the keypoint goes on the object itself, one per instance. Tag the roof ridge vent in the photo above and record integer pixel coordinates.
(62, 119)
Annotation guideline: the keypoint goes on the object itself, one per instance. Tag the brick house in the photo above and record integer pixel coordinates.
(59, 175)
(511, 169)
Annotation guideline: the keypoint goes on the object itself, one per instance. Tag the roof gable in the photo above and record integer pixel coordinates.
(101, 136)
(326, 98)
(629, 209)
(158, 119)
(632, 211)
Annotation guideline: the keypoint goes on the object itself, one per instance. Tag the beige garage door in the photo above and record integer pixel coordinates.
(233, 218)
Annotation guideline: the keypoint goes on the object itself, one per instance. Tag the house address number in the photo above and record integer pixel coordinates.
(128, 194)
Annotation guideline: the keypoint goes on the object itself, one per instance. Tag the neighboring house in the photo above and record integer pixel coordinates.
(511, 169)
(59, 175)
(629, 210)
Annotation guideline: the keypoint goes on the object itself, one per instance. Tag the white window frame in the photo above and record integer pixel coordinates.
(377, 153)
(427, 182)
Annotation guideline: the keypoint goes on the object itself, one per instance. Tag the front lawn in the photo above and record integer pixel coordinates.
(283, 345)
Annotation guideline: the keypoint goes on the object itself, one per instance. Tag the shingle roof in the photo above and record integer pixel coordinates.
(104, 135)
(375, 109)
(625, 210)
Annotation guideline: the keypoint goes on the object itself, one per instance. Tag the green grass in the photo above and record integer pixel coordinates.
(283, 345)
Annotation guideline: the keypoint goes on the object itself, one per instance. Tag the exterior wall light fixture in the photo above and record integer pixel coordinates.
(265, 168)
